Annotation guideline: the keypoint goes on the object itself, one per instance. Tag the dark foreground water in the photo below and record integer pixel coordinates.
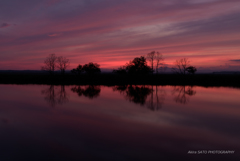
(40, 122)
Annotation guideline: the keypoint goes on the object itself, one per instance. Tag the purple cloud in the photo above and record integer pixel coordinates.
(4, 25)
(235, 60)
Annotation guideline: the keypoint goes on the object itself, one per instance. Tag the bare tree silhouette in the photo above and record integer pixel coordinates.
(62, 64)
(155, 56)
(50, 63)
(181, 66)
(159, 61)
(151, 56)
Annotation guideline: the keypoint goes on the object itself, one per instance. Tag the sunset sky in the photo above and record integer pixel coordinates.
(112, 32)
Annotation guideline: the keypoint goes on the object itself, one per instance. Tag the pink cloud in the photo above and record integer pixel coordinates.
(116, 32)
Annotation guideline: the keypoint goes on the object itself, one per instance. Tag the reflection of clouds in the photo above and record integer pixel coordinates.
(173, 130)
(182, 93)
(55, 97)
(90, 91)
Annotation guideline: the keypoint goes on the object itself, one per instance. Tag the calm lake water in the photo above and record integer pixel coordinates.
(43, 122)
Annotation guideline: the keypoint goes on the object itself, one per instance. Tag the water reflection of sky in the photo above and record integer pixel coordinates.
(73, 122)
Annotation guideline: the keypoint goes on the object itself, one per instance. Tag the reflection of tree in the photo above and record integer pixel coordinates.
(90, 91)
(182, 93)
(139, 95)
(62, 95)
(53, 97)
(156, 100)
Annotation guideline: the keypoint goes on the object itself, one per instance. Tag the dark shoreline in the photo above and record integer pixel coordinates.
(207, 80)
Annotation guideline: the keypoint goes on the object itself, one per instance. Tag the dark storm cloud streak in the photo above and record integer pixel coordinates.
(4, 25)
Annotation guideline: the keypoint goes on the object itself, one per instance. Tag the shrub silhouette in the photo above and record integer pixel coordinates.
(91, 68)
(78, 70)
(191, 69)
(138, 66)
(121, 70)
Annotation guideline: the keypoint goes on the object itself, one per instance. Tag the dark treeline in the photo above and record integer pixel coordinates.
(116, 79)
(136, 72)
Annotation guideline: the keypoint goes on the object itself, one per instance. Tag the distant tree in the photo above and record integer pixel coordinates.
(155, 58)
(181, 66)
(121, 70)
(50, 63)
(159, 60)
(91, 68)
(62, 64)
(191, 69)
(151, 57)
(138, 66)
(78, 70)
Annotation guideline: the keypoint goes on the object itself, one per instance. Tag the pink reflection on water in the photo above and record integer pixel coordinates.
(112, 123)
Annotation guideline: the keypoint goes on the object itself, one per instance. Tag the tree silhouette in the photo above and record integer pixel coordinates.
(191, 69)
(181, 66)
(151, 56)
(91, 68)
(138, 66)
(78, 70)
(50, 63)
(155, 56)
(62, 64)
(159, 61)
